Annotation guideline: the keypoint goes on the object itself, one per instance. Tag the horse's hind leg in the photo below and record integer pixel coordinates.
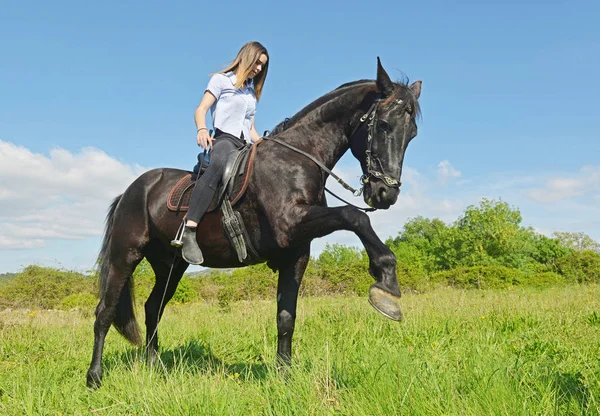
(163, 291)
(115, 307)
(125, 238)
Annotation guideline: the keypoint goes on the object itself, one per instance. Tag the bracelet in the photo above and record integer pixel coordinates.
(201, 128)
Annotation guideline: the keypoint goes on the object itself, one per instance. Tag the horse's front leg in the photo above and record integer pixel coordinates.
(291, 269)
(319, 221)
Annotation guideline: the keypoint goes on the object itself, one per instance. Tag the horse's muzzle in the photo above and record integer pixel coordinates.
(379, 195)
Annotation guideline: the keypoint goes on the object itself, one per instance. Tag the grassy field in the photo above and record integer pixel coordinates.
(512, 352)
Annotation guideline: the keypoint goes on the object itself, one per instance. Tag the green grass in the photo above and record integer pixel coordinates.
(509, 352)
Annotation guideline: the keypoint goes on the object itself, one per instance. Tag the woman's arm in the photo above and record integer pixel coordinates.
(202, 137)
(254, 136)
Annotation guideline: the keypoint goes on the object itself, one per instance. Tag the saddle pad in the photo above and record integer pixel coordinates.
(180, 195)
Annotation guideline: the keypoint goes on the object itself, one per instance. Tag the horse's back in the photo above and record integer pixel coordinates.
(157, 177)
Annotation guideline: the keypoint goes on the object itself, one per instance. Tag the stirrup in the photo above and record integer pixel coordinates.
(178, 242)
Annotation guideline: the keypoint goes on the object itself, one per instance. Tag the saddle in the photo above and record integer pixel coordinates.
(233, 182)
(233, 185)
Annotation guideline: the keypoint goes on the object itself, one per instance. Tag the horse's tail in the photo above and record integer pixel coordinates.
(124, 320)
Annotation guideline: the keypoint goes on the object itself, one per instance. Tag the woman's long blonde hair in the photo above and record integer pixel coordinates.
(243, 63)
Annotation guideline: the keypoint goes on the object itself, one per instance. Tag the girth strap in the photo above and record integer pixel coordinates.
(237, 234)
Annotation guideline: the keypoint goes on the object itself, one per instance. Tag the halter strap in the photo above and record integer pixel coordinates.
(364, 118)
(370, 158)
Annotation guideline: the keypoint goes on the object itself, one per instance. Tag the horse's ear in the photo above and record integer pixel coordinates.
(384, 83)
(416, 88)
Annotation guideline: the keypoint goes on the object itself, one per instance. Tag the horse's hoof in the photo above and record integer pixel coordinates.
(151, 359)
(94, 380)
(385, 303)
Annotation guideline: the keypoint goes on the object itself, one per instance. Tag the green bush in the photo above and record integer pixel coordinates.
(225, 296)
(543, 279)
(313, 283)
(79, 300)
(344, 270)
(143, 281)
(413, 266)
(185, 292)
(255, 282)
(580, 266)
(43, 287)
(480, 277)
(495, 277)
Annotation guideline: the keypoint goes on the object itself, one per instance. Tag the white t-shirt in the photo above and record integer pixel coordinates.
(234, 110)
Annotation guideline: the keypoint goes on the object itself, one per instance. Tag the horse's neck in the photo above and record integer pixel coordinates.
(324, 139)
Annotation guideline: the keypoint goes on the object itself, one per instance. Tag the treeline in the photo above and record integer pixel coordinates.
(487, 247)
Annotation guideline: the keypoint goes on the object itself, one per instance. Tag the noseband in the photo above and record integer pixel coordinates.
(374, 167)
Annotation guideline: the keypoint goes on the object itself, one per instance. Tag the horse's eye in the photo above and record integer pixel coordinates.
(383, 126)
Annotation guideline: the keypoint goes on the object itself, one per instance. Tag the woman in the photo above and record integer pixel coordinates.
(231, 95)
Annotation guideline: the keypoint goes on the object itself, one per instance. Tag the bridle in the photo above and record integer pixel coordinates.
(372, 167)
(370, 158)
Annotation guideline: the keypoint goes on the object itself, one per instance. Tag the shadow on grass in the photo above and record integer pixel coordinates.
(571, 389)
(193, 357)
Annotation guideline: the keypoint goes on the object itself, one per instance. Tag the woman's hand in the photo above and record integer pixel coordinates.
(203, 139)
(254, 137)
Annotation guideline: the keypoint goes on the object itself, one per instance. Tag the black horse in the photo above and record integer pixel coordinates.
(284, 209)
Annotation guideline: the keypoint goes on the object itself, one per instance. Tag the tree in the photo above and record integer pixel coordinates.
(488, 235)
(577, 241)
(548, 250)
(417, 242)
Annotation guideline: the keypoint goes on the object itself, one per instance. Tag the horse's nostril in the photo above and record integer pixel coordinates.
(382, 194)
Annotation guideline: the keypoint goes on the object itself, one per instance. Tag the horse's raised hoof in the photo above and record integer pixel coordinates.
(385, 303)
(94, 379)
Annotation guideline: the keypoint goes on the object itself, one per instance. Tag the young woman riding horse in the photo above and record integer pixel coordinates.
(231, 95)
(284, 209)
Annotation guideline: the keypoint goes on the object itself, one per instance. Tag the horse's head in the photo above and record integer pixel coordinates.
(390, 126)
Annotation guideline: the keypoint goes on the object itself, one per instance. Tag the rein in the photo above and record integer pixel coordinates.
(355, 192)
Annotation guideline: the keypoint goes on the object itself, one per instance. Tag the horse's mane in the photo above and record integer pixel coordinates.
(402, 92)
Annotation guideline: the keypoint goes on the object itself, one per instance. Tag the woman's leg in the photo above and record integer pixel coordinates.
(202, 196)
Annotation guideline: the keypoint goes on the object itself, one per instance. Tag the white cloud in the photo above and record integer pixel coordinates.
(60, 196)
(10, 243)
(446, 172)
(557, 188)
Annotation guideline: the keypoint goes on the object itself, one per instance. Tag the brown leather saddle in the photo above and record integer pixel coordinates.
(234, 182)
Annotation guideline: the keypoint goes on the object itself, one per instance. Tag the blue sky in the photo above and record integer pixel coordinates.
(93, 94)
